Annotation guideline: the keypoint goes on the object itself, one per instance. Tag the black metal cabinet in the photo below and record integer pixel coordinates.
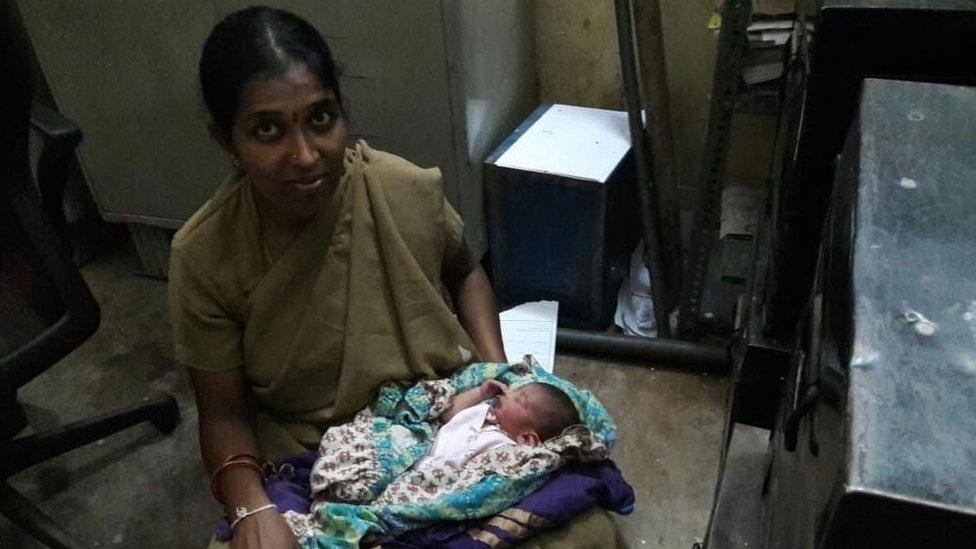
(843, 42)
(839, 43)
(875, 442)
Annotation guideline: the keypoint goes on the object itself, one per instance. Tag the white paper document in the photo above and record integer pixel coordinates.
(577, 142)
(757, 26)
(778, 37)
(530, 329)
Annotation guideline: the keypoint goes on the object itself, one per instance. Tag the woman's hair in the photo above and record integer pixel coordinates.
(558, 411)
(257, 43)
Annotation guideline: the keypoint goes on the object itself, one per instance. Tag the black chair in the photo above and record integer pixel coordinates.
(46, 309)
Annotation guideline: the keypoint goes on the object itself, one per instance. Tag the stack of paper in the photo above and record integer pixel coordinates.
(770, 32)
(577, 142)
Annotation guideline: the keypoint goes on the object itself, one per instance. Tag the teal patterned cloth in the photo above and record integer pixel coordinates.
(363, 488)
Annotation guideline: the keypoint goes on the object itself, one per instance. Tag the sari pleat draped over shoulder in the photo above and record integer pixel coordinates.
(355, 301)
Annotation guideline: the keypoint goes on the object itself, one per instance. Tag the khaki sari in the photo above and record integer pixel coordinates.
(358, 299)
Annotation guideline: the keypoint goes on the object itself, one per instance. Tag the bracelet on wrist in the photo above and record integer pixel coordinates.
(241, 513)
(236, 460)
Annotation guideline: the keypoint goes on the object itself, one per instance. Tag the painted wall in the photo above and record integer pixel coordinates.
(689, 48)
(576, 53)
(576, 50)
(493, 88)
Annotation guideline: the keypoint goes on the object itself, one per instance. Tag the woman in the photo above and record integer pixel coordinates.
(314, 274)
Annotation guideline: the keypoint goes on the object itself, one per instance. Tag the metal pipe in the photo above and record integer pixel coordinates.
(662, 351)
(649, 35)
(649, 217)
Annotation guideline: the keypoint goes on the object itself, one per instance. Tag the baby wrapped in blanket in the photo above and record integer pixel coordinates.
(492, 416)
(447, 450)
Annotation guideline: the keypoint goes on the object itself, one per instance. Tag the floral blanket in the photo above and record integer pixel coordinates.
(364, 491)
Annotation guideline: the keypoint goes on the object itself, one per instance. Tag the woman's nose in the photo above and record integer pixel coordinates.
(304, 154)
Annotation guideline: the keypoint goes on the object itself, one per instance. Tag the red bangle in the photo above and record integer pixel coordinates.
(243, 455)
(215, 478)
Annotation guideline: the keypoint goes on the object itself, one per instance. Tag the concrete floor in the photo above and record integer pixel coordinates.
(141, 489)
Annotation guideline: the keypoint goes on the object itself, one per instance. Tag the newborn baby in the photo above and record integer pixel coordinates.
(423, 454)
(491, 415)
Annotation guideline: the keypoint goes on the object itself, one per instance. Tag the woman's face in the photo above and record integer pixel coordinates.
(289, 137)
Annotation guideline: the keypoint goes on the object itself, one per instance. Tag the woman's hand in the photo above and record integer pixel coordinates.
(264, 530)
(479, 315)
(225, 430)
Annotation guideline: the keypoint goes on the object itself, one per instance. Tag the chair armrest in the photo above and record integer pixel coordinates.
(54, 127)
(59, 138)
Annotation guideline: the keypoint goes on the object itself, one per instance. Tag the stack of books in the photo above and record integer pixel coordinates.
(770, 32)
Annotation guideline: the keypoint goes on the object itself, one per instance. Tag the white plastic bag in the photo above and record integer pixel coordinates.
(635, 306)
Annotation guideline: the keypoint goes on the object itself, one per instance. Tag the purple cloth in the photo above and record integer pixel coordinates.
(288, 488)
(571, 491)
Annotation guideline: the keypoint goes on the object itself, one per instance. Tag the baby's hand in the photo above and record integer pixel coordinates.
(474, 395)
(492, 388)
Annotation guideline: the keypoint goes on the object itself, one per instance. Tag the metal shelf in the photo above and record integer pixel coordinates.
(732, 45)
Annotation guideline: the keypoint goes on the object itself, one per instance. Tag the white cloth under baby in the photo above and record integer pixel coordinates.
(465, 436)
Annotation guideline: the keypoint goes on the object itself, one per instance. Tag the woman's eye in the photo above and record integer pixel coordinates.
(267, 130)
(321, 118)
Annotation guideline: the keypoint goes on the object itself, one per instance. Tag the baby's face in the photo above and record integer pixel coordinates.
(515, 412)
